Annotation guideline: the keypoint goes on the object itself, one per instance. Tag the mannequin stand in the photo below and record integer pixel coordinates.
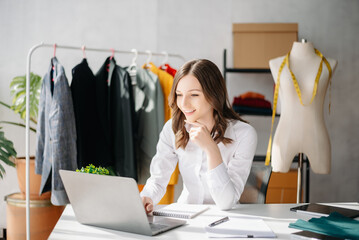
(300, 178)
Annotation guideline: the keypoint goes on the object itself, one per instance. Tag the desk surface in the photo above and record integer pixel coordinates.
(277, 217)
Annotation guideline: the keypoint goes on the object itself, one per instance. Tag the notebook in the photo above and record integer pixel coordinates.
(179, 210)
(325, 210)
(241, 227)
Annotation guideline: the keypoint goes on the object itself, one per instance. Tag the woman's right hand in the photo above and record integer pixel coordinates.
(148, 204)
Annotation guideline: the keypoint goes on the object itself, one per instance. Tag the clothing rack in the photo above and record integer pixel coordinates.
(27, 119)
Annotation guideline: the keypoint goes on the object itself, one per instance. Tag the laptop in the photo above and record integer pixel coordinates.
(112, 202)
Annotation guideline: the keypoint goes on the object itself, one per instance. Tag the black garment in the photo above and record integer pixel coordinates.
(83, 95)
(104, 143)
(115, 107)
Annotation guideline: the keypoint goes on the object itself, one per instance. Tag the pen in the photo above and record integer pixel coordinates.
(225, 219)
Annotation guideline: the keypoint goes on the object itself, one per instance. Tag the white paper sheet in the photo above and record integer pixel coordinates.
(241, 227)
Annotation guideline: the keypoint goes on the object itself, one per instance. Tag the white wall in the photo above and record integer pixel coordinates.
(194, 29)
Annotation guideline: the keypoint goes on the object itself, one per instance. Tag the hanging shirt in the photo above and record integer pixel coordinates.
(56, 133)
(149, 119)
(123, 115)
(166, 81)
(83, 90)
(104, 145)
(166, 67)
(115, 108)
(222, 185)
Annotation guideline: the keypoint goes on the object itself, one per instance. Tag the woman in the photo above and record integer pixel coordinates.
(213, 146)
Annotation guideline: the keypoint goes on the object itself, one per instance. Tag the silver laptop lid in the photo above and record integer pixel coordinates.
(106, 201)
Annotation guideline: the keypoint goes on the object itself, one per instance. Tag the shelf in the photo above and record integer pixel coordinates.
(240, 70)
(261, 158)
(244, 110)
(256, 114)
(247, 70)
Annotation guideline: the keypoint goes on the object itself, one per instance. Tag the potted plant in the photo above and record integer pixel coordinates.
(8, 154)
(95, 170)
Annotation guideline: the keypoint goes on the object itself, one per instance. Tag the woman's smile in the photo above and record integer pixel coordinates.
(188, 113)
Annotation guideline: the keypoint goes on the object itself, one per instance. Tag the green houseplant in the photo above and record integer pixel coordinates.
(18, 106)
(94, 170)
(7, 153)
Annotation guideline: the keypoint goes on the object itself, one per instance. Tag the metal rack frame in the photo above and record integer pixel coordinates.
(27, 119)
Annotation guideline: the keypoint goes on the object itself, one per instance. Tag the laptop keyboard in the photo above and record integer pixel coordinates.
(157, 227)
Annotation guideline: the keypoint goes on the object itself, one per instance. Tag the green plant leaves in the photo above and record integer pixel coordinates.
(94, 170)
(18, 91)
(7, 152)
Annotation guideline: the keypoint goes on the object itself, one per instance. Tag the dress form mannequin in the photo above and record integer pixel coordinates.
(301, 129)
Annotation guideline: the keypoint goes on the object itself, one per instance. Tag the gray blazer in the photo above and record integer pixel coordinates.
(56, 133)
(150, 119)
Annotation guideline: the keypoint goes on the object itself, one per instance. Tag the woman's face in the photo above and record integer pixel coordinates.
(191, 100)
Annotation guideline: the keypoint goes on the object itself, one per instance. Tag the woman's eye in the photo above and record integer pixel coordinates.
(179, 95)
(194, 95)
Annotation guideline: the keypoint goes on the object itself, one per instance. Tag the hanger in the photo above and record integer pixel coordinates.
(165, 60)
(113, 53)
(55, 50)
(111, 57)
(132, 69)
(133, 63)
(148, 58)
(53, 67)
(83, 51)
(53, 71)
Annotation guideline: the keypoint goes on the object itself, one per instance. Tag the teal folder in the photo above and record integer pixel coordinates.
(335, 225)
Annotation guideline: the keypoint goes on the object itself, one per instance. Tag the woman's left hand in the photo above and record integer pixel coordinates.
(200, 135)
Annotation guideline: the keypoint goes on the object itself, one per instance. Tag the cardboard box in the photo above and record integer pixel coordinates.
(254, 44)
(282, 187)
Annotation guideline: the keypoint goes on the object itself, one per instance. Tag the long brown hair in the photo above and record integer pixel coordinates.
(215, 92)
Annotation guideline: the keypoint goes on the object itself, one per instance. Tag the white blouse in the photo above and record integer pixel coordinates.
(222, 185)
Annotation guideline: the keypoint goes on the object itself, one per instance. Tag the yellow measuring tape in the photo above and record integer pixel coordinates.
(297, 89)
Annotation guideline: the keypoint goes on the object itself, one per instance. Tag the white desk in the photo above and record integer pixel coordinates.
(277, 217)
